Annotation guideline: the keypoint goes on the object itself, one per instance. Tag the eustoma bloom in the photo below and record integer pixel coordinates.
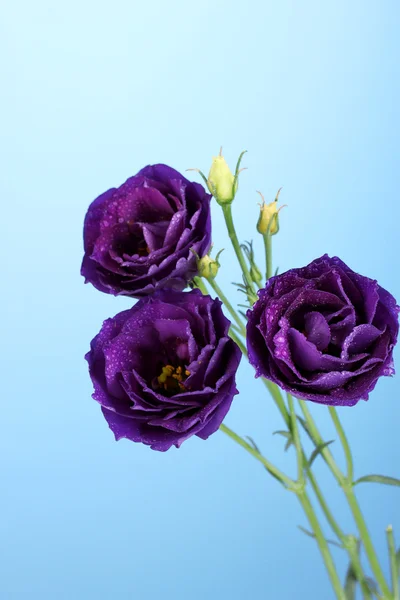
(140, 237)
(165, 369)
(323, 332)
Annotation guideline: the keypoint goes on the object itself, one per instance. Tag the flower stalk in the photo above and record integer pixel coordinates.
(227, 212)
(214, 285)
(345, 443)
(268, 254)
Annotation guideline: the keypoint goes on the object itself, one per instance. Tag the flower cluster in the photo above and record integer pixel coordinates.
(165, 369)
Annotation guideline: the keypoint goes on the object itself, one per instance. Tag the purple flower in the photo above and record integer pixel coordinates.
(139, 237)
(165, 369)
(323, 333)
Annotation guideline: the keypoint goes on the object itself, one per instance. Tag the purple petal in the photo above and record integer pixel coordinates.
(359, 340)
(317, 330)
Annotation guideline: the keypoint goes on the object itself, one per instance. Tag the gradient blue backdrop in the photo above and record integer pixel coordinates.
(92, 91)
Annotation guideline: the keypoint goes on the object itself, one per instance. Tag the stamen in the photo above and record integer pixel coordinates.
(171, 378)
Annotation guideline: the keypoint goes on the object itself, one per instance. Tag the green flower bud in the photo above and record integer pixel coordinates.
(268, 221)
(255, 274)
(208, 267)
(221, 181)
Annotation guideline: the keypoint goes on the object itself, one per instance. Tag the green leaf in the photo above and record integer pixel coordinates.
(371, 584)
(239, 285)
(288, 444)
(306, 428)
(276, 271)
(378, 479)
(398, 560)
(252, 442)
(318, 451)
(350, 584)
(312, 535)
(238, 167)
(287, 435)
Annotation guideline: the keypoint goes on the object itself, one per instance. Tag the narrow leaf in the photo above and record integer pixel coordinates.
(306, 531)
(238, 166)
(305, 427)
(318, 451)
(312, 535)
(371, 584)
(378, 479)
(350, 584)
(252, 442)
(285, 434)
(240, 285)
(288, 444)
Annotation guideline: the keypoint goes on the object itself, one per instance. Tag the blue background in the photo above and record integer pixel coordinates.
(93, 91)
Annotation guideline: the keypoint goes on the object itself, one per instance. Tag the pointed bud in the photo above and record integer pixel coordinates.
(207, 266)
(255, 274)
(221, 181)
(268, 221)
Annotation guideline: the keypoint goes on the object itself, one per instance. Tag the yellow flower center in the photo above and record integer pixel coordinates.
(171, 378)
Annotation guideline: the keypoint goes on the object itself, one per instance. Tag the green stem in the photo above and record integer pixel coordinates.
(345, 443)
(393, 563)
(317, 439)
(267, 464)
(357, 567)
(297, 441)
(214, 285)
(239, 342)
(227, 210)
(366, 540)
(268, 253)
(235, 328)
(323, 504)
(200, 284)
(351, 499)
(323, 545)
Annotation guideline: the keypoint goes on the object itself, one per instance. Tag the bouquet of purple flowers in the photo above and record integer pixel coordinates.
(165, 369)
